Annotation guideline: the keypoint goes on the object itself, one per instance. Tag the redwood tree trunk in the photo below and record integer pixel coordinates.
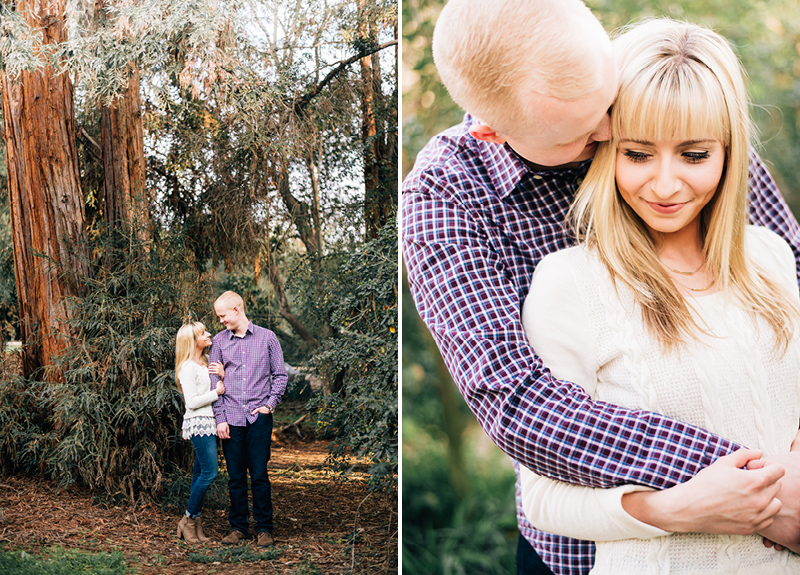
(123, 161)
(45, 199)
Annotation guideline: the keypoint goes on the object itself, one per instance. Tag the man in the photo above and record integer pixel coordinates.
(485, 202)
(255, 379)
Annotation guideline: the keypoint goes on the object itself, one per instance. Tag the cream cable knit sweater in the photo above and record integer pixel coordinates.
(197, 393)
(732, 384)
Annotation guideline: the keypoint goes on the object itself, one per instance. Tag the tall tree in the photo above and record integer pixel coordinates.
(377, 134)
(123, 160)
(45, 199)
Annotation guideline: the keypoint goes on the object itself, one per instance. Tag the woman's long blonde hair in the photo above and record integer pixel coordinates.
(679, 81)
(185, 343)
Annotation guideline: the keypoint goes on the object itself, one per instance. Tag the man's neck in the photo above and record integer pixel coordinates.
(242, 329)
(540, 168)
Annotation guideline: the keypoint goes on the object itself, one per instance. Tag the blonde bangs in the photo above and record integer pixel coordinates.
(670, 103)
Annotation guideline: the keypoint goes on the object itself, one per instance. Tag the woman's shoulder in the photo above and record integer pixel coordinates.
(764, 243)
(760, 237)
(562, 265)
(190, 368)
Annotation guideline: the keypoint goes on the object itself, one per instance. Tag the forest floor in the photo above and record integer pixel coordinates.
(322, 526)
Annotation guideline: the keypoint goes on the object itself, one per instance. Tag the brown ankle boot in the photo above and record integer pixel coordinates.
(190, 531)
(181, 525)
(199, 530)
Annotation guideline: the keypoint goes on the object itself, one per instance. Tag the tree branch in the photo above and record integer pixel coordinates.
(300, 104)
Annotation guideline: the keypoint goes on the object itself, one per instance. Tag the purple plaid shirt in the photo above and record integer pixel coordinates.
(475, 221)
(254, 374)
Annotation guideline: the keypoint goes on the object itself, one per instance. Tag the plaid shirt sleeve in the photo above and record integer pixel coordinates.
(768, 208)
(464, 296)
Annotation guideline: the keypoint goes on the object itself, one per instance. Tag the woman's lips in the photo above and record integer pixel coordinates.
(665, 208)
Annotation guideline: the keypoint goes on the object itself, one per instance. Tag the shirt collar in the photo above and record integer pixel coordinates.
(248, 330)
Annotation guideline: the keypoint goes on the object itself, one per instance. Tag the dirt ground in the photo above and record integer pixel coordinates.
(322, 526)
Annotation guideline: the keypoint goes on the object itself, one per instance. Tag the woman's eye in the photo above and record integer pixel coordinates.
(695, 157)
(635, 156)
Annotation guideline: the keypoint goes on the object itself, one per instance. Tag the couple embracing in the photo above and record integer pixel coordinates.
(611, 276)
(231, 386)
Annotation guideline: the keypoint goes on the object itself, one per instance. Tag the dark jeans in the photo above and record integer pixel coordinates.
(204, 471)
(528, 561)
(248, 450)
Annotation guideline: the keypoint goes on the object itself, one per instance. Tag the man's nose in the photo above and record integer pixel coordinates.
(602, 133)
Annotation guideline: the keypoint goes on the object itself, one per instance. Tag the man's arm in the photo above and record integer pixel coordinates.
(552, 427)
(278, 371)
(223, 431)
(215, 355)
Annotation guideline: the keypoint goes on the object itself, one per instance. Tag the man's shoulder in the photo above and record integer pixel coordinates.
(447, 154)
(222, 335)
(261, 331)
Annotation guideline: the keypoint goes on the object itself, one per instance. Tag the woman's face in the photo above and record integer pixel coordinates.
(668, 183)
(203, 339)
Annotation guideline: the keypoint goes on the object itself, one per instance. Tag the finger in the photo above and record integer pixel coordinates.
(767, 542)
(741, 457)
(754, 464)
(773, 472)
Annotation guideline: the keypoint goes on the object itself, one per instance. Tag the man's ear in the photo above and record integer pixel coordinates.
(481, 131)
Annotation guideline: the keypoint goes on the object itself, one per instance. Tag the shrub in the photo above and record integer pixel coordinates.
(114, 421)
(360, 361)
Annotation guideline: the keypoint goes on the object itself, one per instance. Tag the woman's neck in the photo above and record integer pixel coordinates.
(197, 357)
(681, 250)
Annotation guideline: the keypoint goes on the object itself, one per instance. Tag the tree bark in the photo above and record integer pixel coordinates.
(45, 198)
(377, 200)
(125, 202)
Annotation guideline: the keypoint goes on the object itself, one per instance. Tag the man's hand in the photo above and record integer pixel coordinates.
(217, 369)
(722, 498)
(223, 431)
(785, 531)
(264, 409)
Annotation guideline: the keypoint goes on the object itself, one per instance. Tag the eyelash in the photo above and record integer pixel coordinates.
(691, 157)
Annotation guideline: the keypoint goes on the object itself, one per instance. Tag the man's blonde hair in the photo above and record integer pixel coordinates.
(680, 81)
(231, 299)
(490, 52)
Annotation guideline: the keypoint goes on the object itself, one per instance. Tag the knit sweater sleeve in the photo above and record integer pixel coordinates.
(557, 326)
(194, 393)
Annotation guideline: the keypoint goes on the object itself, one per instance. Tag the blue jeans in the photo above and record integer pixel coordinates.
(248, 450)
(528, 561)
(204, 471)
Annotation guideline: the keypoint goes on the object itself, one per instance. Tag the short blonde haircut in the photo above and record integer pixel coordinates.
(679, 81)
(231, 299)
(490, 52)
(185, 342)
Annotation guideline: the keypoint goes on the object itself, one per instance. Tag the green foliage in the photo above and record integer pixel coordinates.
(108, 413)
(241, 554)
(443, 533)
(60, 561)
(9, 314)
(360, 361)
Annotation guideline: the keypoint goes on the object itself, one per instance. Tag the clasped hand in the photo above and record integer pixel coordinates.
(724, 498)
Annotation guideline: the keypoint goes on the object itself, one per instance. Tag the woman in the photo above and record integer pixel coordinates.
(671, 303)
(191, 374)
